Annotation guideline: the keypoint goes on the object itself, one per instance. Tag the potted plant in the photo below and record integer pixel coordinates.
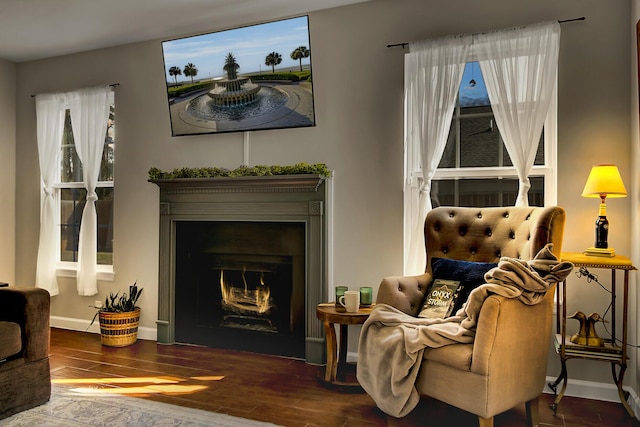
(119, 318)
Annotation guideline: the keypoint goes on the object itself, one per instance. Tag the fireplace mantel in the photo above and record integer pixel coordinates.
(243, 184)
(291, 198)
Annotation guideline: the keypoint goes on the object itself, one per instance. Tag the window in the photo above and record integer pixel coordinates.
(475, 169)
(521, 71)
(72, 197)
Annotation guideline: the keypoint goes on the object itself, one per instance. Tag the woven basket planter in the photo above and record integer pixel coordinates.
(119, 329)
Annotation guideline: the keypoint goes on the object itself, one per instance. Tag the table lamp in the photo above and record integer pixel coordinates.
(603, 181)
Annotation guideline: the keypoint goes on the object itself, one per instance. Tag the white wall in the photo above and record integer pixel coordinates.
(7, 171)
(358, 99)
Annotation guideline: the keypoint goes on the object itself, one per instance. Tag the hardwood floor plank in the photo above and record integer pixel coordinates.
(275, 389)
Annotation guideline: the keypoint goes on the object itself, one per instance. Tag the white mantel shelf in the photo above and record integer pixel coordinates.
(248, 184)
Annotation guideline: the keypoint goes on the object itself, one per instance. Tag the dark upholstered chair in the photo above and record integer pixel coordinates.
(25, 380)
(506, 366)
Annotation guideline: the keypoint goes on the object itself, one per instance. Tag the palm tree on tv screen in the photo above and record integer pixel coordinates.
(231, 67)
(190, 70)
(175, 71)
(273, 59)
(299, 53)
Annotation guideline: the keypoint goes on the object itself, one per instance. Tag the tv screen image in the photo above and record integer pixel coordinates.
(243, 79)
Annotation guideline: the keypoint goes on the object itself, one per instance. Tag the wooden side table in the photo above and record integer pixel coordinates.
(613, 353)
(338, 373)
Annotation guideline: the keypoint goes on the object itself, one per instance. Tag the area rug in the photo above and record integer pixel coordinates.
(69, 409)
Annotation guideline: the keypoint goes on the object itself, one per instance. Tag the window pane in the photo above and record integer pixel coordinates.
(474, 139)
(448, 159)
(106, 166)
(540, 154)
(473, 91)
(539, 160)
(483, 192)
(72, 201)
(71, 205)
(71, 168)
(479, 141)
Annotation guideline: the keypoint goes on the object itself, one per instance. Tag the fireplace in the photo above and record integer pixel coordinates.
(243, 263)
(240, 285)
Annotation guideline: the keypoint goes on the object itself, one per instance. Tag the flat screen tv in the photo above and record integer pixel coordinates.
(243, 79)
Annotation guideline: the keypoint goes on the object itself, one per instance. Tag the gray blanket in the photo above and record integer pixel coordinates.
(392, 343)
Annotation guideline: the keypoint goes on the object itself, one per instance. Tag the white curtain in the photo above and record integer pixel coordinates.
(433, 71)
(50, 111)
(519, 67)
(89, 109)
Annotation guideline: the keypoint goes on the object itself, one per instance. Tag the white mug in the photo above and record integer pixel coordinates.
(350, 300)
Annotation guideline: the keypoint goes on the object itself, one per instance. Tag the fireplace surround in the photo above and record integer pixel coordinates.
(300, 200)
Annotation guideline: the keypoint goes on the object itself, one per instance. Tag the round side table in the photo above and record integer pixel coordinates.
(338, 373)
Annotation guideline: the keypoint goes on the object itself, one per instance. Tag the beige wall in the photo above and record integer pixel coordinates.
(7, 171)
(358, 99)
(635, 178)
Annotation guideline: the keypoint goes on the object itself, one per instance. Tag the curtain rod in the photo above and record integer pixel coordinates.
(582, 18)
(112, 85)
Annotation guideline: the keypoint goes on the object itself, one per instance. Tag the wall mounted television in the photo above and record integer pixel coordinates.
(243, 79)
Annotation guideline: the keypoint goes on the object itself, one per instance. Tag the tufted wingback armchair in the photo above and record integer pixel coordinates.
(506, 365)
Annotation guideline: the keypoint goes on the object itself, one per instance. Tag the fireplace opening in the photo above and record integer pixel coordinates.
(241, 285)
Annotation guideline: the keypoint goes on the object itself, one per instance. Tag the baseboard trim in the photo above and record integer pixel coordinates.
(607, 392)
(84, 325)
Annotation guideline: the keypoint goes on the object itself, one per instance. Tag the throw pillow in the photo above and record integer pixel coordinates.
(470, 275)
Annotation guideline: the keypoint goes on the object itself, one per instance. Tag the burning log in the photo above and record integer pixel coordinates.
(246, 301)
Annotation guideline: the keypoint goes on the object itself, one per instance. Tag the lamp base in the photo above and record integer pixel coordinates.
(603, 252)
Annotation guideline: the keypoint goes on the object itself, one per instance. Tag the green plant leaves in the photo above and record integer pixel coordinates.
(258, 170)
(123, 303)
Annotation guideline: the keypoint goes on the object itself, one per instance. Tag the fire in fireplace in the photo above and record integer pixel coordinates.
(247, 306)
(246, 299)
(240, 285)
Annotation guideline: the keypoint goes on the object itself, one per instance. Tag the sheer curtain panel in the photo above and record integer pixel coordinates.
(433, 71)
(519, 68)
(89, 109)
(50, 111)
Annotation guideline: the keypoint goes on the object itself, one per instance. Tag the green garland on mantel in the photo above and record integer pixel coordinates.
(258, 170)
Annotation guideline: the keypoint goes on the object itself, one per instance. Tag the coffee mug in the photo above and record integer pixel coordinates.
(351, 301)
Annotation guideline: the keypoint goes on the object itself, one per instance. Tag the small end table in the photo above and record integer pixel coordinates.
(616, 355)
(338, 373)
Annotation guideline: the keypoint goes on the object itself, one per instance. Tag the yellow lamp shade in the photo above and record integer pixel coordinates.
(604, 180)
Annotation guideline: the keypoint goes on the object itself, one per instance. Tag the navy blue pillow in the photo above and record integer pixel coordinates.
(470, 275)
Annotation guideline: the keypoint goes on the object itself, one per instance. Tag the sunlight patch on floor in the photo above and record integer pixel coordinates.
(120, 380)
(143, 385)
(209, 378)
(140, 390)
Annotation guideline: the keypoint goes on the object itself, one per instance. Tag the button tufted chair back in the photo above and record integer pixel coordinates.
(487, 234)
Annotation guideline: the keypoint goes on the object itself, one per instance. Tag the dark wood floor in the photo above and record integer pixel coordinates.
(267, 388)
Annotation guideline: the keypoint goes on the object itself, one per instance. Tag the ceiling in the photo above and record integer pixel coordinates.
(36, 29)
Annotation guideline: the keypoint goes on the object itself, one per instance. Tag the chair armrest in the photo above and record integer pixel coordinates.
(406, 293)
(29, 308)
(512, 336)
